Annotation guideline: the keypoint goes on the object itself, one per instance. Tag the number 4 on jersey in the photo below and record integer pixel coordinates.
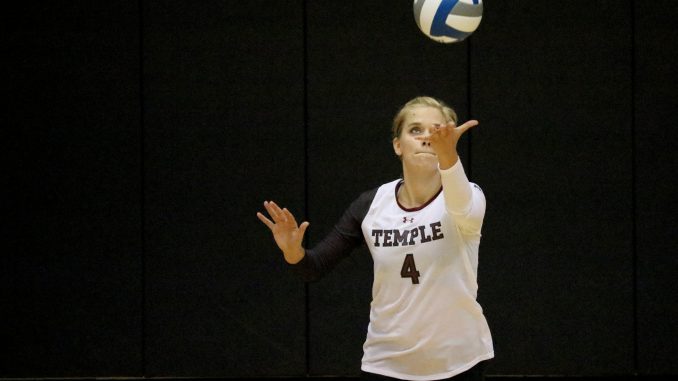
(409, 269)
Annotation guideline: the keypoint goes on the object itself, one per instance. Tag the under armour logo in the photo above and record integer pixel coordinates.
(411, 219)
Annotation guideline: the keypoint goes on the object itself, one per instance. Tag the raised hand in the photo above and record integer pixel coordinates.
(287, 234)
(443, 140)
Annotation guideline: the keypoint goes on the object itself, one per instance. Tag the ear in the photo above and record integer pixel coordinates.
(396, 147)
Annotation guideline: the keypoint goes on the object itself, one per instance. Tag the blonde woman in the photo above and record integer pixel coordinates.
(423, 232)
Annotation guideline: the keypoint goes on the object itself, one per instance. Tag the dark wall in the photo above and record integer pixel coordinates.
(655, 162)
(71, 274)
(555, 160)
(224, 131)
(144, 137)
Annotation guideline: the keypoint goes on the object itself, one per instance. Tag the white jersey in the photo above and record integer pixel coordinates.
(425, 322)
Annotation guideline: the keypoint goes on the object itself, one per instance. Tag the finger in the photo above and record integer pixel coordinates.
(273, 206)
(441, 131)
(275, 211)
(470, 124)
(289, 216)
(269, 208)
(265, 220)
(303, 227)
(283, 218)
(446, 126)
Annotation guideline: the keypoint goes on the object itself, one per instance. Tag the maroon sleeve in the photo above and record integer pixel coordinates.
(344, 237)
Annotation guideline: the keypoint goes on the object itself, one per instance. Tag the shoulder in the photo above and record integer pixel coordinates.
(365, 198)
(371, 194)
(361, 204)
(476, 186)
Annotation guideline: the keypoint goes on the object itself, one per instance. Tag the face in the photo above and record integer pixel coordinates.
(419, 121)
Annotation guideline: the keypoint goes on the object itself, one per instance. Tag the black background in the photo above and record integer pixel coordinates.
(141, 138)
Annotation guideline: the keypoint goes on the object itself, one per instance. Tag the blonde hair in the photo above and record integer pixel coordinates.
(447, 111)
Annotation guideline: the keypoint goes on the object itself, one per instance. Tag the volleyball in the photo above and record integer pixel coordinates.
(448, 21)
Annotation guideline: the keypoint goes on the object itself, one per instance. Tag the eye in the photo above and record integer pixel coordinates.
(415, 130)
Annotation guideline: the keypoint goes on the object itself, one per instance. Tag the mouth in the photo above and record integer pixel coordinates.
(426, 153)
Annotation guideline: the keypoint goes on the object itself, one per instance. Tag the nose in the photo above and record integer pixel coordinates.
(428, 132)
(426, 143)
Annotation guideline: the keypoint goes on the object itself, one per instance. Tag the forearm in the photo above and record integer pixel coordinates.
(463, 200)
(338, 244)
(322, 258)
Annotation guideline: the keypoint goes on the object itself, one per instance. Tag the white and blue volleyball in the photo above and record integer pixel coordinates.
(448, 21)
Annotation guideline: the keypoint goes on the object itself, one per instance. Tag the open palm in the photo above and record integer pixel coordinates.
(287, 234)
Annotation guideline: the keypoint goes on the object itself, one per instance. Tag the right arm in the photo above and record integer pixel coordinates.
(314, 263)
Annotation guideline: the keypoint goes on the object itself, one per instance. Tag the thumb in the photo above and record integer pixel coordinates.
(303, 227)
(469, 124)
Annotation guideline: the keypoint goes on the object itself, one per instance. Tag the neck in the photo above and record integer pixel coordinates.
(418, 187)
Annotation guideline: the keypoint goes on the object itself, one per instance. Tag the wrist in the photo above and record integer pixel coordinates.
(447, 161)
(295, 256)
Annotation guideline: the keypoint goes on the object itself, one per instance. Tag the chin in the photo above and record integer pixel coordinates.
(424, 162)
